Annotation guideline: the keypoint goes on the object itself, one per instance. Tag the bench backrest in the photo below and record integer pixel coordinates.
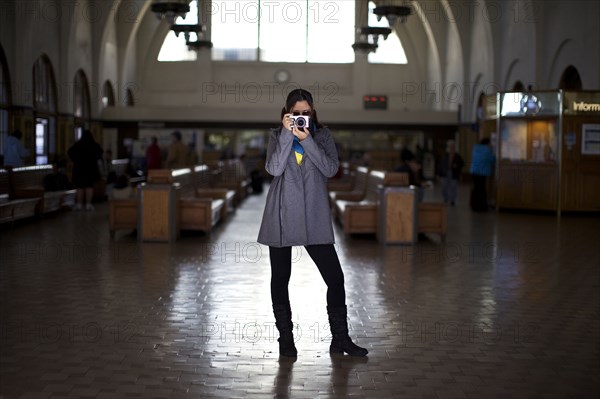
(184, 178)
(232, 171)
(169, 176)
(30, 176)
(4, 182)
(396, 179)
(376, 179)
(201, 176)
(159, 176)
(360, 180)
(119, 166)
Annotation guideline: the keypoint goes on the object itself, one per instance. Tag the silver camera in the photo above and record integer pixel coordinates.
(300, 121)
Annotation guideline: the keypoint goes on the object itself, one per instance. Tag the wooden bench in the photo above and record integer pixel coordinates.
(201, 179)
(195, 213)
(13, 209)
(360, 216)
(232, 176)
(28, 182)
(357, 191)
(433, 218)
(396, 179)
(343, 181)
(123, 214)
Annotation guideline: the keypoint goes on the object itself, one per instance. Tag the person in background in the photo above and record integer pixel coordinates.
(14, 152)
(153, 156)
(85, 154)
(482, 165)
(449, 169)
(192, 156)
(178, 152)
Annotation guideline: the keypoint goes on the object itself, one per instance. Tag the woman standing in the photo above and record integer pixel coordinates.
(482, 166)
(297, 213)
(85, 155)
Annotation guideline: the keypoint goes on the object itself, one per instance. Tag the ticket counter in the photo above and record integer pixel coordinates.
(548, 151)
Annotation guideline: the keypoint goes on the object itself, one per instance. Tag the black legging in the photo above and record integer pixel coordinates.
(479, 194)
(327, 262)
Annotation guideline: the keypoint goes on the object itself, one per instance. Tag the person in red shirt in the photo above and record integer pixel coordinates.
(153, 158)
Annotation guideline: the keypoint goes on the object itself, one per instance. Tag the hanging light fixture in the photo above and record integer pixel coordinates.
(364, 47)
(198, 29)
(186, 30)
(199, 45)
(170, 10)
(392, 13)
(369, 38)
(374, 32)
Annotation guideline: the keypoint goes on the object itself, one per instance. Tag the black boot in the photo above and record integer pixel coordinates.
(283, 322)
(340, 341)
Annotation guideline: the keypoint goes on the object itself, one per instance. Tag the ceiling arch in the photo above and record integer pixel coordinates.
(559, 62)
(508, 77)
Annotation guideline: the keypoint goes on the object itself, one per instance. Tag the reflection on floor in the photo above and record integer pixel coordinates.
(507, 307)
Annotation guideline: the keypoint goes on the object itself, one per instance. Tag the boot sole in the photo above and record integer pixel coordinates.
(340, 351)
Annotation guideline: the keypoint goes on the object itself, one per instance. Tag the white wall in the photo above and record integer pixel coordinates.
(475, 46)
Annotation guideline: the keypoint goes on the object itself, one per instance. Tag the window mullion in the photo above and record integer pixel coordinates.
(258, 33)
(306, 35)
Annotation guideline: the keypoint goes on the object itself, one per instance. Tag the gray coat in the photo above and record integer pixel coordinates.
(297, 208)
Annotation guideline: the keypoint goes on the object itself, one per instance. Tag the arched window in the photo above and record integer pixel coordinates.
(44, 109)
(570, 79)
(108, 95)
(174, 48)
(5, 99)
(390, 51)
(81, 103)
(518, 86)
(283, 31)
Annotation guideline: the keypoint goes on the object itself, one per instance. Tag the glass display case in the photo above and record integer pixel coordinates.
(528, 151)
(548, 150)
(529, 141)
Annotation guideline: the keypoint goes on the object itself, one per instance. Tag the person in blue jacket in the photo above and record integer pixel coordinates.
(14, 152)
(482, 166)
(297, 213)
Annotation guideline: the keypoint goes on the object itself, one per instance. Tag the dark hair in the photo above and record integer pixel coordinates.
(485, 141)
(17, 133)
(177, 135)
(297, 95)
(122, 182)
(86, 135)
(407, 155)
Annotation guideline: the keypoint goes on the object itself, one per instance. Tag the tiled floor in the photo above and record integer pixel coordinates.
(507, 307)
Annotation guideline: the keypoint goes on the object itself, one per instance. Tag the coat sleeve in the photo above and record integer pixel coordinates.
(323, 153)
(278, 151)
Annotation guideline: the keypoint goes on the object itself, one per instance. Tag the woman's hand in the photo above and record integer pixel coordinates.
(300, 133)
(287, 121)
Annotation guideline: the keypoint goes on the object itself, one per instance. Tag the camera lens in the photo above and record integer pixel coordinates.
(300, 122)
